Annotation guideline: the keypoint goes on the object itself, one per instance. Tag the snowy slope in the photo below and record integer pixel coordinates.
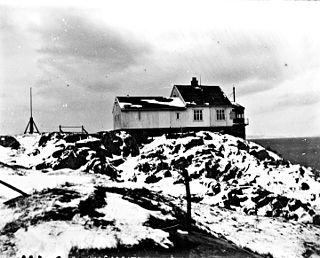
(104, 193)
(228, 172)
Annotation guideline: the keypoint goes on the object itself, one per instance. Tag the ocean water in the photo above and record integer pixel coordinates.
(304, 151)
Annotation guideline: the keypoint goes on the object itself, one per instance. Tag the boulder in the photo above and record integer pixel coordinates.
(195, 175)
(305, 186)
(9, 141)
(35, 152)
(316, 220)
(212, 170)
(93, 202)
(216, 189)
(193, 143)
(242, 146)
(72, 159)
(102, 153)
(262, 198)
(45, 137)
(145, 167)
(112, 143)
(74, 137)
(41, 166)
(176, 149)
(221, 149)
(117, 162)
(125, 151)
(230, 173)
(158, 154)
(207, 136)
(58, 153)
(294, 204)
(152, 179)
(131, 143)
(107, 169)
(261, 155)
(280, 202)
(180, 163)
(264, 201)
(167, 174)
(162, 166)
(301, 170)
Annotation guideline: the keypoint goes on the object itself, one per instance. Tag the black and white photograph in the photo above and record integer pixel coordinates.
(159, 129)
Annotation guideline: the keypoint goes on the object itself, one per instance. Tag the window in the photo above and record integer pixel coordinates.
(197, 115)
(220, 114)
(233, 115)
(178, 116)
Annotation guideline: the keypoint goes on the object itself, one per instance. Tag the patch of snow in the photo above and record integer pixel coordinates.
(174, 102)
(264, 235)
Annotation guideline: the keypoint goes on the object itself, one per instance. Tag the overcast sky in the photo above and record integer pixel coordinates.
(78, 57)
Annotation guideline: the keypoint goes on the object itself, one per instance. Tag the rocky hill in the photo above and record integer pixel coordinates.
(111, 191)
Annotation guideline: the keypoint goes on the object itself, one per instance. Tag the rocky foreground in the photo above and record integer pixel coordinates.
(111, 192)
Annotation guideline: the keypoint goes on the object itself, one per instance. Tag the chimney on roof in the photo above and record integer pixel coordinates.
(194, 82)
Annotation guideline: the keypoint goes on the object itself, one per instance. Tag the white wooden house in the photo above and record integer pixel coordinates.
(189, 107)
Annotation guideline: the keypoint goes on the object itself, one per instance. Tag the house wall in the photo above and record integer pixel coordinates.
(190, 122)
(178, 123)
(168, 119)
(145, 119)
(213, 117)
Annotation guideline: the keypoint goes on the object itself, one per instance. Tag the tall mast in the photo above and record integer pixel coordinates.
(31, 101)
(31, 124)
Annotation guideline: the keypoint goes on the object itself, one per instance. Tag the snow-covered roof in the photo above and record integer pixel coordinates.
(150, 103)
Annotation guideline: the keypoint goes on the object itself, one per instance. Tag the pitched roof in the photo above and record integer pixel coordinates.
(203, 95)
(150, 103)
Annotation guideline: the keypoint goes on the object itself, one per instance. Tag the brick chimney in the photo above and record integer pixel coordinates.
(194, 82)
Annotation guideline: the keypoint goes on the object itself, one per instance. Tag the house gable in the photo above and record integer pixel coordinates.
(176, 94)
(200, 95)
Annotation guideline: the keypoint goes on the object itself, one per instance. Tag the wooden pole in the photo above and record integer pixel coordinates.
(13, 188)
(32, 125)
(188, 196)
(30, 101)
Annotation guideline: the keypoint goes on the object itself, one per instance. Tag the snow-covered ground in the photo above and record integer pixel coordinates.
(240, 191)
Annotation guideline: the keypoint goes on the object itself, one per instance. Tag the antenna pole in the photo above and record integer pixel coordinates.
(31, 124)
(234, 94)
(31, 101)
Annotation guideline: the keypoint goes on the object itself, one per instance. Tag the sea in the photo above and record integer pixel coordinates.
(303, 150)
